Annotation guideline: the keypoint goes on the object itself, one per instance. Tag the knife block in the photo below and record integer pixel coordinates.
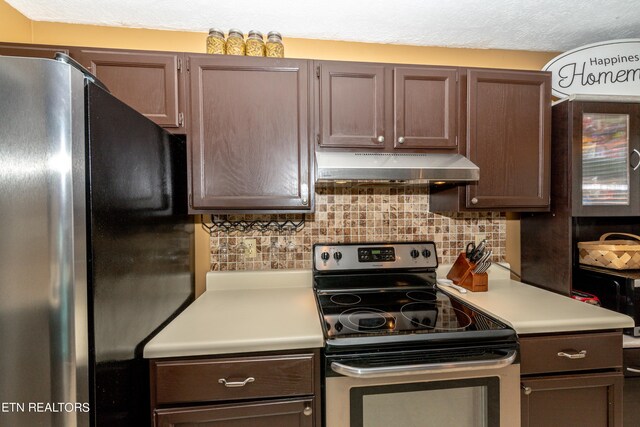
(462, 274)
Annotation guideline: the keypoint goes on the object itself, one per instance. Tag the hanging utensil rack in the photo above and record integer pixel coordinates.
(224, 225)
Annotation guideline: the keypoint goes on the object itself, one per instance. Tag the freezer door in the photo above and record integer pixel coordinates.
(43, 318)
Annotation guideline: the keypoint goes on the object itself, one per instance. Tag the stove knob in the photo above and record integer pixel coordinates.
(338, 326)
(414, 253)
(325, 256)
(337, 256)
(426, 253)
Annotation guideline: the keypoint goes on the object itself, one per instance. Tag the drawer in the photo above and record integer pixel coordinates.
(631, 362)
(285, 413)
(209, 380)
(565, 353)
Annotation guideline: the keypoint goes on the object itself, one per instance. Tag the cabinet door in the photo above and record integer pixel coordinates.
(425, 108)
(249, 140)
(32, 51)
(146, 81)
(291, 413)
(606, 147)
(508, 137)
(593, 400)
(351, 105)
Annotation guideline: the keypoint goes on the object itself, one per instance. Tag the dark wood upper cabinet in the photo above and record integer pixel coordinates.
(352, 105)
(147, 81)
(249, 136)
(507, 130)
(424, 107)
(31, 50)
(386, 107)
(601, 141)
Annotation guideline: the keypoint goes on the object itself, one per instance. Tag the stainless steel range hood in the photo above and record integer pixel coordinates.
(389, 167)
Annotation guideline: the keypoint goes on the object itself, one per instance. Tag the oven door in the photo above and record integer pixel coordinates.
(449, 394)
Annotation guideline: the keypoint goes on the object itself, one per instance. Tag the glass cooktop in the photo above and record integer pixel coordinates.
(382, 304)
(384, 312)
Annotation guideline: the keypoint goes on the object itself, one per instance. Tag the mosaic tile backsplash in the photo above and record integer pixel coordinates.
(357, 214)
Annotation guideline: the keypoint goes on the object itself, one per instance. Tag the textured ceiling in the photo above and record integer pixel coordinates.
(542, 25)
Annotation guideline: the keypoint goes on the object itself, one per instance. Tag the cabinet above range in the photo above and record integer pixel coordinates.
(385, 107)
(505, 129)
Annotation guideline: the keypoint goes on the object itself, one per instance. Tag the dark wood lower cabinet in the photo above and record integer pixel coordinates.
(271, 389)
(585, 400)
(288, 413)
(572, 379)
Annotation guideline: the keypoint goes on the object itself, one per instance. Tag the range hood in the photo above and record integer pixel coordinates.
(390, 167)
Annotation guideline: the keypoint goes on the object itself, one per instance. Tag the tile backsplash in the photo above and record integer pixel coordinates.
(357, 214)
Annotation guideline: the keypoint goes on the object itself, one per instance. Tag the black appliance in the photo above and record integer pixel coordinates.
(618, 290)
(96, 254)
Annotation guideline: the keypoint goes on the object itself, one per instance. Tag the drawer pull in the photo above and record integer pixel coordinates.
(232, 384)
(634, 370)
(307, 411)
(580, 355)
(526, 390)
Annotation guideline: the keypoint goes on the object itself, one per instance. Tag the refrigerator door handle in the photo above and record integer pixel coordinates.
(635, 151)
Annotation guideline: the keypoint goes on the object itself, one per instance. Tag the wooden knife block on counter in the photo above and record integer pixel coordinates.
(462, 274)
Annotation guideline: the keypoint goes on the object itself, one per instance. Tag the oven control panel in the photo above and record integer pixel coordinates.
(374, 256)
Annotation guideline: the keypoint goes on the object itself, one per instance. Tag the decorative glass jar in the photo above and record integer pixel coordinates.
(215, 42)
(274, 47)
(235, 43)
(255, 44)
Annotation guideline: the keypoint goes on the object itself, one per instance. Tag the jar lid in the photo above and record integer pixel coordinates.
(274, 34)
(254, 33)
(236, 32)
(216, 31)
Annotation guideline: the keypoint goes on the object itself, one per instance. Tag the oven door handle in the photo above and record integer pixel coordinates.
(427, 368)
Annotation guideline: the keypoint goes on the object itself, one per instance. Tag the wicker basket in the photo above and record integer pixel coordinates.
(613, 254)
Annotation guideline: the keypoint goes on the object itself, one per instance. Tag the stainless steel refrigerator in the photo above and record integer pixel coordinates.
(96, 249)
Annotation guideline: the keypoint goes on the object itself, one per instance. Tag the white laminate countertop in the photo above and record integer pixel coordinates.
(242, 312)
(531, 310)
(251, 311)
(630, 342)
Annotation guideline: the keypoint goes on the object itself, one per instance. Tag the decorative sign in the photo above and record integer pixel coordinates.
(605, 68)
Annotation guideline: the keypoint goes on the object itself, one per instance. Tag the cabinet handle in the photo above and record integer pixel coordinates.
(637, 164)
(231, 384)
(401, 140)
(634, 370)
(304, 189)
(580, 355)
(381, 139)
(474, 201)
(307, 411)
(526, 390)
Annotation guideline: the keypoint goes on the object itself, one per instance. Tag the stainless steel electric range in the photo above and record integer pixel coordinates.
(399, 351)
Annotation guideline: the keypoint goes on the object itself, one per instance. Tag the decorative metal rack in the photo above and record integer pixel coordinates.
(224, 225)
